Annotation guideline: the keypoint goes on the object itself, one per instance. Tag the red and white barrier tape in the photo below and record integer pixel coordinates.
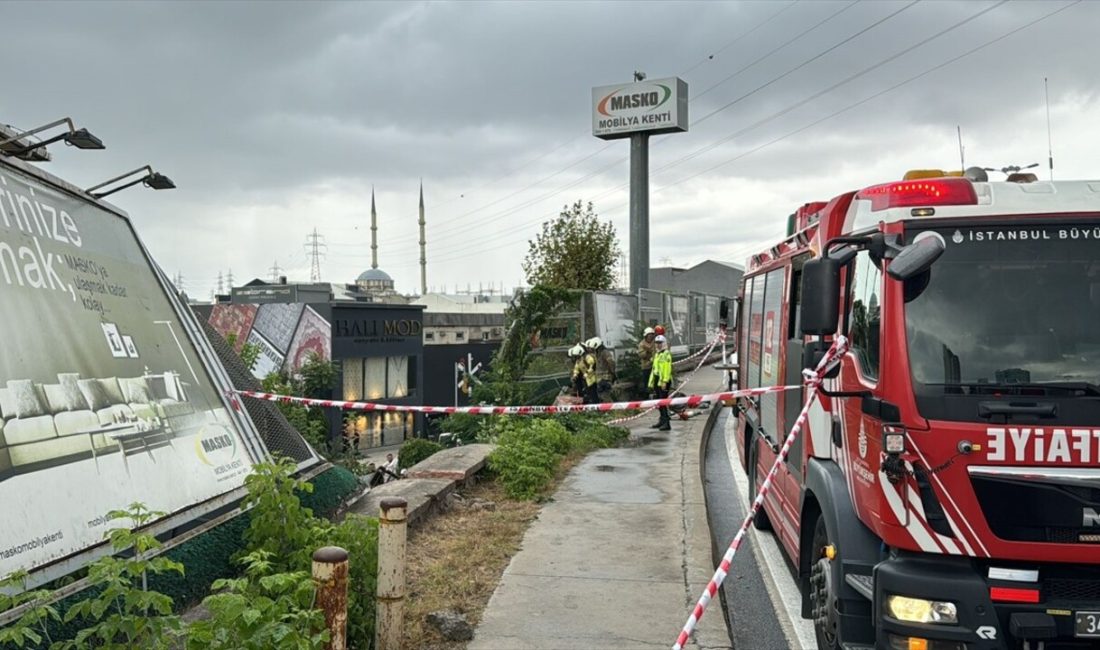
(813, 379)
(705, 352)
(688, 400)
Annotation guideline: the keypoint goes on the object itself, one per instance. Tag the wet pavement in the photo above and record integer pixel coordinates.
(619, 556)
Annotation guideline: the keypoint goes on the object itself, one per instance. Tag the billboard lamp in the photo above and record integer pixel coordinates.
(79, 138)
(151, 179)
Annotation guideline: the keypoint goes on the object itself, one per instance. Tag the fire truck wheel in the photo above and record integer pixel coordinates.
(822, 590)
(761, 520)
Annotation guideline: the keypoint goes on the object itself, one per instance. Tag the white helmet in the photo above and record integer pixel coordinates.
(647, 331)
(660, 338)
(576, 351)
(593, 343)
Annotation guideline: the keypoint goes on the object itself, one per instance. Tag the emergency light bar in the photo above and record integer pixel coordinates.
(925, 192)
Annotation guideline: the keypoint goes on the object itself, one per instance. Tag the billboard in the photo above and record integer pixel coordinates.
(659, 106)
(104, 396)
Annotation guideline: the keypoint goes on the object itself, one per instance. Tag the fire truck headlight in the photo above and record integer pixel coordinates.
(919, 610)
(893, 439)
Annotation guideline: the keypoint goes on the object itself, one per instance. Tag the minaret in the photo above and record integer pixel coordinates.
(423, 256)
(373, 232)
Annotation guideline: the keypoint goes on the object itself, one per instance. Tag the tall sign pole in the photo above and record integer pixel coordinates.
(638, 110)
(639, 211)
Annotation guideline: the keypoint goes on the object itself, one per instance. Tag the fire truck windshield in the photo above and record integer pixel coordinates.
(1006, 306)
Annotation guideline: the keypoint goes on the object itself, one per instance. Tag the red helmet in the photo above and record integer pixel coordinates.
(659, 329)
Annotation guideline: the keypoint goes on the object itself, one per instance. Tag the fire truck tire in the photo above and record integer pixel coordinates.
(823, 598)
(761, 521)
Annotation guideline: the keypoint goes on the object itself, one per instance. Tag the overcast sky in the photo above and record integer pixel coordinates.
(275, 119)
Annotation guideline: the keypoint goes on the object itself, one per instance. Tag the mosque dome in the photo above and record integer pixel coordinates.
(374, 275)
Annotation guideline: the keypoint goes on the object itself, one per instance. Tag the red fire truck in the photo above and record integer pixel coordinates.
(946, 493)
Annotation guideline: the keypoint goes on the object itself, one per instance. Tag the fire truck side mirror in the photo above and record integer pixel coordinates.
(820, 296)
(918, 257)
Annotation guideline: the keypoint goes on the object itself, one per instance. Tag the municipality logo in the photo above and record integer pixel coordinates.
(957, 237)
(862, 441)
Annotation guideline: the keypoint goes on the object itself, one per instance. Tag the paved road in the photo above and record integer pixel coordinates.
(760, 596)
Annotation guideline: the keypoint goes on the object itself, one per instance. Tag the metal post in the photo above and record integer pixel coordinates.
(390, 592)
(639, 211)
(330, 573)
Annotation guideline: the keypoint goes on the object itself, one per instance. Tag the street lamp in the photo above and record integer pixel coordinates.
(79, 138)
(151, 179)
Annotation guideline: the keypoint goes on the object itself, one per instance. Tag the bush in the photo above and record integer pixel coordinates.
(281, 525)
(527, 453)
(416, 450)
(523, 467)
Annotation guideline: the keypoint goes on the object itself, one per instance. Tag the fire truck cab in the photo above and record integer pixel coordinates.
(946, 491)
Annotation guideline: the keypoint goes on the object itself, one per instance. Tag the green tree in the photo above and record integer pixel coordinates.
(574, 251)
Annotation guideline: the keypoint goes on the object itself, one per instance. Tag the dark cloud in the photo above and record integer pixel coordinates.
(277, 118)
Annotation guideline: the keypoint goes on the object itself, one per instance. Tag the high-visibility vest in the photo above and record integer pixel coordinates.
(661, 374)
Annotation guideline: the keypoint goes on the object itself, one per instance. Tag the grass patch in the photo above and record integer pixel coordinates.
(455, 561)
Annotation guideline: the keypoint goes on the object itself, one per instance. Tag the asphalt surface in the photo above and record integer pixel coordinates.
(746, 602)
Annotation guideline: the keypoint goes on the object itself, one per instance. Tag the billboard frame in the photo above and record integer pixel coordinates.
(250, 436)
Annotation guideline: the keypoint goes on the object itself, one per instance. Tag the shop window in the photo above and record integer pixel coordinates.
(376, 378)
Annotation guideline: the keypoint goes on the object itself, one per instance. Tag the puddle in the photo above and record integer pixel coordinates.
(605, 468)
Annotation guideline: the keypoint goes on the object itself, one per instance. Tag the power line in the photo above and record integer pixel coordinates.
(777, 48)
(499, 215)
(825, 118)
(586, 133)
(463, 227)
(455, 226)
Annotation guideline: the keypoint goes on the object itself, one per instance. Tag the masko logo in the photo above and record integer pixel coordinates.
(620, 100)
(215, 445)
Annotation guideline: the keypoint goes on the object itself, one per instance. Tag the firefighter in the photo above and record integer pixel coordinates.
(605, 364)
(576, 354)
(660, 380)
(588, 369)
(646, 349)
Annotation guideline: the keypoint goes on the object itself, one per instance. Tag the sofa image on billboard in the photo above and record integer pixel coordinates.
(46, 425)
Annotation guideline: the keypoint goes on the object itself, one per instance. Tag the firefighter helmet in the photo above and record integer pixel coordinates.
(660, 330)
(576, 351)
(647, 331)
(593, 343)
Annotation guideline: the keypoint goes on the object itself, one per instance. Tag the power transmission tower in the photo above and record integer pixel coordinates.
(221, 284)
(229, 279)
(315, 247)
(275, 270)
(177, 281)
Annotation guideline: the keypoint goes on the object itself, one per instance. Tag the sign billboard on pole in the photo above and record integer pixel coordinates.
(658, 106)
(105, 395)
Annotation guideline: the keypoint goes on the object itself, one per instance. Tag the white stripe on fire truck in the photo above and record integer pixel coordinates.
(916, 528)
(918, 507)
(943, 490)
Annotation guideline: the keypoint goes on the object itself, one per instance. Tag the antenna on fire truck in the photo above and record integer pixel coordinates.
(1050, 146)
(962, 156)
